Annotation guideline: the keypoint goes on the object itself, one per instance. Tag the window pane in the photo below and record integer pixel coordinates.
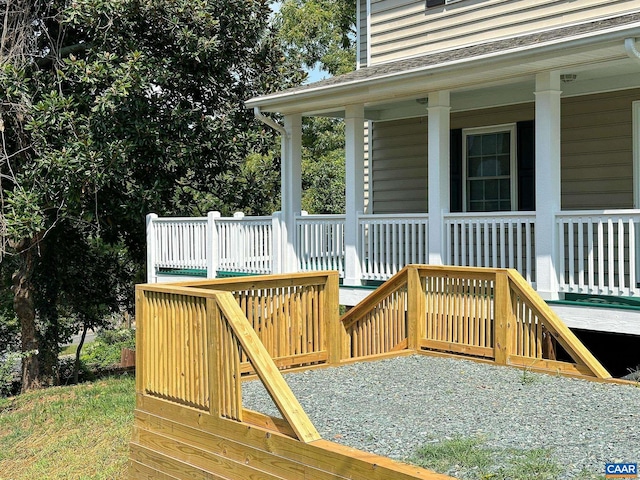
(491, 189)
(476, 190)
(475, 167)
(489, 144)
(504, 142)
(504, 162)
(474, 145)
(505, 189)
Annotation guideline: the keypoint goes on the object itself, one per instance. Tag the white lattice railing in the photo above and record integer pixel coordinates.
(597, 252)
(245, 244)
(495, 240)
(180, 243)
(320, 242)
(389, 242)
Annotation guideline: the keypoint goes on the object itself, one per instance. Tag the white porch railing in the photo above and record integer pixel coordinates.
(597, 252)
(178, 243)
(389, 242)
(495, 240)
(245, 244)
(320, 242)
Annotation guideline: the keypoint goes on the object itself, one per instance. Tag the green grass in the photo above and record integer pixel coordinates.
(79, 432)
(470, 458)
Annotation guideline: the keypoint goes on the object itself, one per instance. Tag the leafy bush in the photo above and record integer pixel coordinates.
(105, 351)
(9, 373)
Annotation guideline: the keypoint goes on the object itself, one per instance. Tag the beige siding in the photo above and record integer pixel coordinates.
(597, 153)
(403, 28)
(362, 30)
(398, 169)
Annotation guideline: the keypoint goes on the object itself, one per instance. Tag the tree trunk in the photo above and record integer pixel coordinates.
(24, 307)
(76, 364)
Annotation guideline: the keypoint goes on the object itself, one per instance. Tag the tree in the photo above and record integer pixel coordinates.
(110, 109)
(321, 33)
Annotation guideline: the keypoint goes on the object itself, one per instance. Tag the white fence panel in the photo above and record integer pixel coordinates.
(389, 242)
(597, 252)
(180, 243)
(320, 242)
(494, 240)
(244, 244)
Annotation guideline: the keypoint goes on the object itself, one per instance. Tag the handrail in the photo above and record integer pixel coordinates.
(384, 290)
(557, 327)
(278, 389)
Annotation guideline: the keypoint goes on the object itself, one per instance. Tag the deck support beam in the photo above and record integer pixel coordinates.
(547, 144)
(438, 173)
(354, 183)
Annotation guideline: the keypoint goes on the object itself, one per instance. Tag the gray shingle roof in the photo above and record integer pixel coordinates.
(465, 53)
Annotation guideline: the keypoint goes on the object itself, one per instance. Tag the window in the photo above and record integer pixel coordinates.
(489, 168)
(435, 3)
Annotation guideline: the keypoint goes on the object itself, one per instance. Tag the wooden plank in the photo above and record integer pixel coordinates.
(556, 326)
(458, 348)
(322, 456)
(552, 366)
(142, 319)
(278, 389)
(267, 422)
(212, 344)
(416, 307)
(285, 362)
(139, 471)
(502, 318)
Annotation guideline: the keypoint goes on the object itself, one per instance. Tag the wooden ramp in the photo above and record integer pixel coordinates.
(196, 340)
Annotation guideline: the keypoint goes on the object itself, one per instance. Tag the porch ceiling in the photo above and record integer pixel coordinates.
(501, 77)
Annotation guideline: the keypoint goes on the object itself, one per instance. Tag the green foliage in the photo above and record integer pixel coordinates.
(115, 109)
(320, 32)
(105, 351)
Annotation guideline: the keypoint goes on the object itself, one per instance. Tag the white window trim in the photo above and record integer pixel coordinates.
(513, 175)
(635, 122)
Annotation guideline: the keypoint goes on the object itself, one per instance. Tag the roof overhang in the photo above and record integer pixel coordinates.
(416, 77)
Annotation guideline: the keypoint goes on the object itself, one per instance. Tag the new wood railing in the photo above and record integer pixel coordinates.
(196, 340)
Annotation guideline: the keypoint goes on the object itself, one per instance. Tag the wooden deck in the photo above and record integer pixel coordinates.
(196, 340)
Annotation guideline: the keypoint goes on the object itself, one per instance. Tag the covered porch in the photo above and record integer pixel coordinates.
(560, 202)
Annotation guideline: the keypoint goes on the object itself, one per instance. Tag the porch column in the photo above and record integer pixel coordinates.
(547, 127)
(439, 138)
(291, 190)
(354, 194)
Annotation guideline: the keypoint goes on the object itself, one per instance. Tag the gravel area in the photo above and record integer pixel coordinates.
(392, 407)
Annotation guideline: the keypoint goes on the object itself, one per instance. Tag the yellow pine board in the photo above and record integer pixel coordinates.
(139, 471)
(557, 327)
(269, 374)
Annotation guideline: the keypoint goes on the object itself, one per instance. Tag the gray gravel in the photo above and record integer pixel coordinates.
(392, 407)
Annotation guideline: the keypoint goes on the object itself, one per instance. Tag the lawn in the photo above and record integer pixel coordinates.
(77, 432)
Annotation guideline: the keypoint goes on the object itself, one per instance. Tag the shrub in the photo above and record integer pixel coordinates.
(105, 351)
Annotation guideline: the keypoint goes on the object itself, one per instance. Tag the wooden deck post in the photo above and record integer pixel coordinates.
(336, 341)
(141, 326)
(416, 309)
(502, 318)
(212, 342)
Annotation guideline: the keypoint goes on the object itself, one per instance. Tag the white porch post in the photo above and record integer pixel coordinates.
(354, 200)
(439, 138)
(151, 249)
(212, 245)
(291, 190)
(547, 128)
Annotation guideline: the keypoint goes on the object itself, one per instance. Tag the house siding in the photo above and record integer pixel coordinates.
(405, 28)
(398, 170)
(597, 153)
(362, 34)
